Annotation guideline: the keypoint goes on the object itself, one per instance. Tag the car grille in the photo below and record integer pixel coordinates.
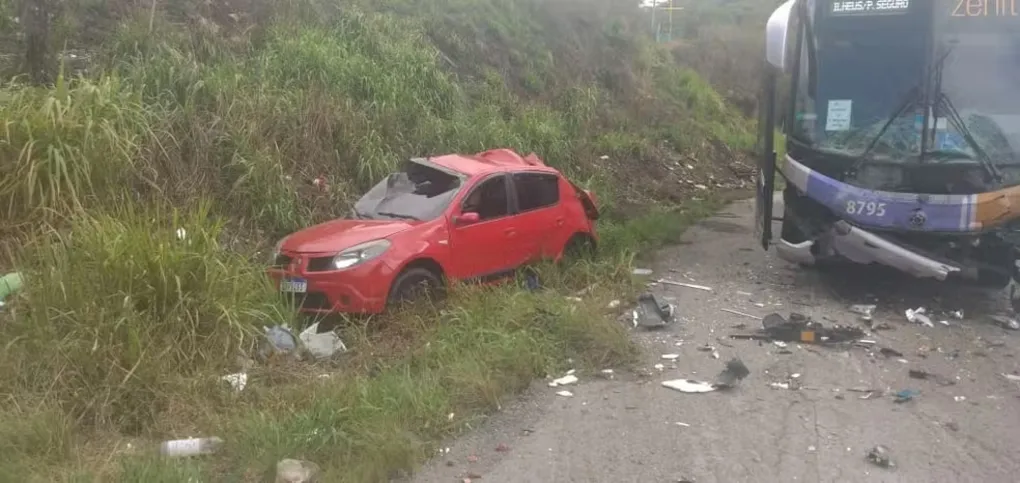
(309, 301)
(320, 264)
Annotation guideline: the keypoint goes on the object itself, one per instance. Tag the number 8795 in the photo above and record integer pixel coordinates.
(867, 208)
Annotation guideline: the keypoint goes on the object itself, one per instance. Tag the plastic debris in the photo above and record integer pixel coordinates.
(737, 312)
(864, 310)
(670, 357)
(321, 346)
(296, 471)
(237, 381)
(800, 328)
(10, 284)
(190, 447)
(281, 340)
(651, 313)
(689, 385)
(939, 379)
(906, 395)
(613, 304)
(1006, 322)
(682, 284)
(565, 394)
(956, 314)
(1012, 377)
(734, 372)
(879, 456)
(918, 316)
(563, 381)
(641, 271)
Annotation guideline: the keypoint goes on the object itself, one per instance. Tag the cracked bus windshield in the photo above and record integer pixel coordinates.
(872, 58)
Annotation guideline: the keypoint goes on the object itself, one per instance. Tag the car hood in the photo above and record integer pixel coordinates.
(337, 235)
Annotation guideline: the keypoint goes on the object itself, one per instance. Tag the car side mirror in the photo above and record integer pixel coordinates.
(467, 218)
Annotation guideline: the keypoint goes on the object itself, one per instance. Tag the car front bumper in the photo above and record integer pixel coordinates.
(362, 289)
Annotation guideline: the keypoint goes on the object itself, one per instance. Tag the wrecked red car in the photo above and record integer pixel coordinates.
(454, 217)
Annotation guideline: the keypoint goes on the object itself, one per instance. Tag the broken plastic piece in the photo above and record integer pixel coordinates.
(651, 313)
(681, 284)
(565, 394)
(864, 310)
(918, 316)
(10, 284)
(190, 447)
(734, 372)
(641, 271)
(281, 340)
(906, 395)
(879, 456)
(321, 346)
(563, 381)
(237, 381)
(688, 385)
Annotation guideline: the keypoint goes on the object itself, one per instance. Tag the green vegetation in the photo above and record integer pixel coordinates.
(214, 117)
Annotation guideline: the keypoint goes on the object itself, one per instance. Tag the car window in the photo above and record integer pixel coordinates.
(489, 199)
(536, 190)
(416, 192)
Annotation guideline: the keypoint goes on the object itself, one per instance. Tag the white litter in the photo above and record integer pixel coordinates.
(641, 271)
(563, 381)
(237, 381)
(918, 317)
(687, 385)
(321, 346)
(565, 394)
(682, 424)
(779, 343)
(613, 304)
(731, 311)
(660, 367)
(1012, 377)
(670, 357)
(780, 385)
(682, 284)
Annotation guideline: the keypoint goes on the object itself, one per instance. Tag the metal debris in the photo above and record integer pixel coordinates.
(879, 456)
(651, 313)
(865, 311)
(682, 284)
(918, 316)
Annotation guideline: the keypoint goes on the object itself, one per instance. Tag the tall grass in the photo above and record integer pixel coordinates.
(217, 126)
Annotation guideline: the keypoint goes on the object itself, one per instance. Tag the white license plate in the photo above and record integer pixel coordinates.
(294, 285)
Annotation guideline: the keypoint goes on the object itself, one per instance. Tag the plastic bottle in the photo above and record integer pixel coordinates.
(190, 447)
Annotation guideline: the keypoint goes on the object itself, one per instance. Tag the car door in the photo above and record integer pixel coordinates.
(540, 216)
(484, 248)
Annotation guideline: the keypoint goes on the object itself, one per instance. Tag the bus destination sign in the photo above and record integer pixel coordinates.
(869, 7)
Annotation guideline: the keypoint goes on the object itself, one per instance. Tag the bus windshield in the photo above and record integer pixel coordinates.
(872, 58)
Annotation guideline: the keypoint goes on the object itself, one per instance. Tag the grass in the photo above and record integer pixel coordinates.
(217, 126)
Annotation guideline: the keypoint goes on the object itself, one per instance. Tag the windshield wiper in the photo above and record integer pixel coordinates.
(942, 102)
(398, 215)
(909, 101)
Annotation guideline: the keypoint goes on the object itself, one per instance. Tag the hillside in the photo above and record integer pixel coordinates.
(216, 116)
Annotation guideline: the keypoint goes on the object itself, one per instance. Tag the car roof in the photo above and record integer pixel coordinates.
(491, 161)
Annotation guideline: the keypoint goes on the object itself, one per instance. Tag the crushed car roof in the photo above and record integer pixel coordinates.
(490, 161)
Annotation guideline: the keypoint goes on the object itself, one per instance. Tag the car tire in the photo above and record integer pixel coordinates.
(579, 247)
(414, 285)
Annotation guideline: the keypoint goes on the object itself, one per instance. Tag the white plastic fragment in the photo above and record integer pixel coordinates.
(565, 394)
(321, 346)
(660, 367)
(688, 385)
(918, 316)
(613, 304)
(682, 284)
(1012, 377)
(641, 271)
(563, 381)
(190, 446)
(237, 380)
(670, 357)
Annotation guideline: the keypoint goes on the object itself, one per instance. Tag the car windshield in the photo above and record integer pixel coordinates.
(872, 58)
(416, 192)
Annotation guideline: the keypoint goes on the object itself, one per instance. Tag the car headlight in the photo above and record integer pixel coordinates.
(360, 253)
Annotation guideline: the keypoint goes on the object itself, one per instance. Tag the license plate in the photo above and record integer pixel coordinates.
(294, 285)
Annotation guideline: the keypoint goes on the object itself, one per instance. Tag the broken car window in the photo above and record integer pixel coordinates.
(488, 199)
(417, 192)
(536, 190)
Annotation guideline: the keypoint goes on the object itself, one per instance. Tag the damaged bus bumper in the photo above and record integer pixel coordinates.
(860, 246)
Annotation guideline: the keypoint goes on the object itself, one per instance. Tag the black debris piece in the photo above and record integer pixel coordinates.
(734, 372)
(938, 378)
(879, 456)
(800, 328)
(651, 312)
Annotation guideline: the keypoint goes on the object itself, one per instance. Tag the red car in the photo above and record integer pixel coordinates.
(449, 217)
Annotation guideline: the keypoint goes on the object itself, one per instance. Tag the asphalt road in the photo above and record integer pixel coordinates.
(964, 428)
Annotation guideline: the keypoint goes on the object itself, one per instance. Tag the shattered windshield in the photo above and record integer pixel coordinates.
(416, 192)
(868, 97)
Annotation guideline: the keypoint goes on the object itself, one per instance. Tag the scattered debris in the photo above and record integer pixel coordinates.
(296, 471)
(651, 313)
(565, 394)
(321, 345)
(737, 312)
(613, 304)
(865, 311)
(939, 379)
(779, 385)
(659, 366)
(671, 357)
(1006, 322)
(10, 284)
(918, 316)
(906, 395)
(879, 456)
(237, 381)
(959, 398)
(1012, 377)
(564, 381)
(682, 284)
(885, 351)
(641, 271)
(190, 447)
(800, 328)
(678, 423)
(502, 448)
(734, 372)
(956, 314)
(281, 340)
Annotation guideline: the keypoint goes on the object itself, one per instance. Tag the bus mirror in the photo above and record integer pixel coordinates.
(776, 35)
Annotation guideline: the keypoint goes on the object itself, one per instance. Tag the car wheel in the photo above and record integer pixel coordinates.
(579, 247)
(415, 284)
